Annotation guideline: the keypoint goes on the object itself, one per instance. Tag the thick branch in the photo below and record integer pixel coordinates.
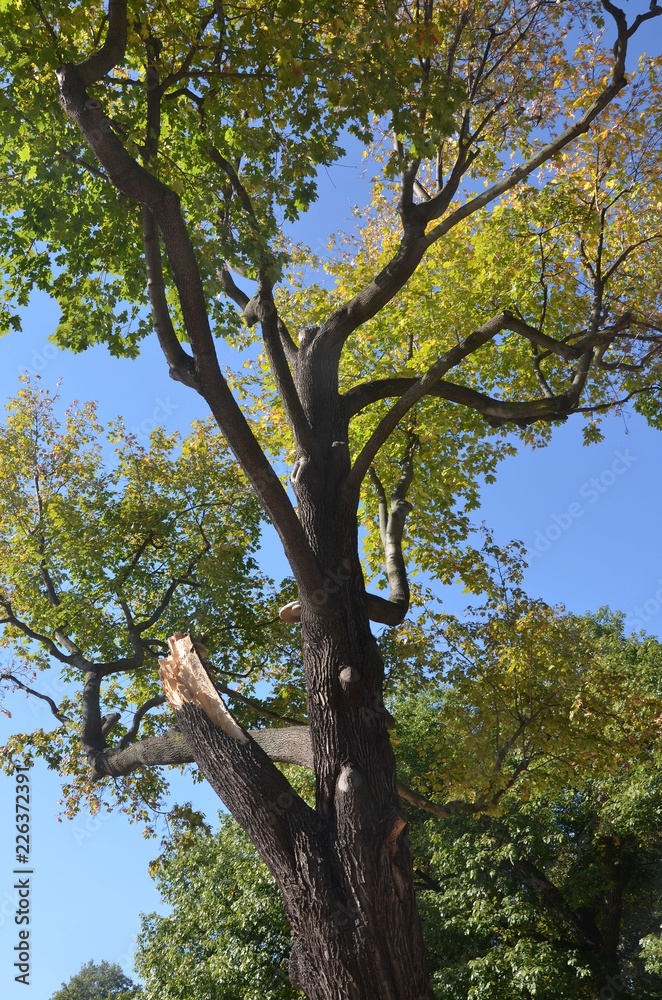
(291, 745)
(136, 182)
(393, 513)
(154, 751)
(367, 303)
(277, 820)
(364, 394)
(496, 411)
(134, 634)
(420, 388)
(271, 334)
(91, 729)
(232, 289)
(95, 67)
(180, 363)
(281, 349)
(380, 610)
(283, 746)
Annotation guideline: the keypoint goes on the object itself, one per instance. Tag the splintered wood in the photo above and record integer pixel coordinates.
(185, 681)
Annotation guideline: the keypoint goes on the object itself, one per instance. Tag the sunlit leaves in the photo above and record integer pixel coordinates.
(253, 99)
(227, 937)
(98, 536)
(522, 693)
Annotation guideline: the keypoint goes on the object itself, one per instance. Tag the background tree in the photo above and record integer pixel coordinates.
(226, 937)
(204, 131)
(98, 981)
(553, 891)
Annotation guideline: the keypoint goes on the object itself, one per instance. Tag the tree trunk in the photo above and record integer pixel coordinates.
(347, 886)
(359, 935)
(344, 868)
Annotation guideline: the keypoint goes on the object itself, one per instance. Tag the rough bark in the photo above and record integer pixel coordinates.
(346, 877)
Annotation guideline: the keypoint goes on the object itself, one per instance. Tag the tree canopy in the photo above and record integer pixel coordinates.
(98, 981)
(108, 545)
(502, 280)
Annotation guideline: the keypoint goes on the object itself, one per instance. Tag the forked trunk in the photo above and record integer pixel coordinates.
(345, 868)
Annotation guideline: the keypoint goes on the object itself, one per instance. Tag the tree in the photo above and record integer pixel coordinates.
(202, 132)
(98, 981)
(552, 893)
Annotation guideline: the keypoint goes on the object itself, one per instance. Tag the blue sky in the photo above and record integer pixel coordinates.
(590, 516)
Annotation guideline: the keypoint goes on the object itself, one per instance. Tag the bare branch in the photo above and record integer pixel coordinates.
(5, 675)
(50, 30)
(81, 163)
(170, 591)
(146, 707)
(622, 257)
